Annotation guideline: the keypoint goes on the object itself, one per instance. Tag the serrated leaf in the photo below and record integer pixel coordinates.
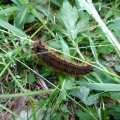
(83, 23)
(92, 99)
(68, 16)
(82, 93)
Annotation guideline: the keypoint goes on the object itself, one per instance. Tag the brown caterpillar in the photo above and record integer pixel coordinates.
(47, 56)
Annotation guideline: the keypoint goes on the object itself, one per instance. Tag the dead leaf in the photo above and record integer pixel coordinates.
(19, 104)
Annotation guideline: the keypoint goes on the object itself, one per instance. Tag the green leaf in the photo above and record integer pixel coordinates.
(57, 3)
(55, 44)
(41, 9)
(65, 48)
(92, 99)
(84, 92)
(65, 84)
(15, 1)
(101, 86)
(93, 49)
(31, 78)
(83, 116)
(83, 23)
(24, 1)
(23, 15)
(117, 67)
(38, 16)
(114, 110)
(58, 116)
(115, 95)
(12, 28)
(115, 27)
(22, 18)
(83, 95)
(68, 16)
(10, 86)
(9, 10)
(11, 53)
(106, 49)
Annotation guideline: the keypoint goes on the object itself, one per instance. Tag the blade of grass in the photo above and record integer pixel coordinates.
(93, 49)
(16, 81)
(101, 86)
(37, 15)
(89, 112)
(89, 7)
(8, 10)
(17, 32)
(28, 93)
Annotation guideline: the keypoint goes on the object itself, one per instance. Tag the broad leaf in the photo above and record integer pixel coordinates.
(68, 16)
(83, 116)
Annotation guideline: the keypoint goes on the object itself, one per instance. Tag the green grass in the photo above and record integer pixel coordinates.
(80, 31)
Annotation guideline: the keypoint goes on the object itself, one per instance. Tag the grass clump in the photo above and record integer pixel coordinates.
(80, 31)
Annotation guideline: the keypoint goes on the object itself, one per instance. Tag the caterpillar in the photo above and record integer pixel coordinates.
(55, 61)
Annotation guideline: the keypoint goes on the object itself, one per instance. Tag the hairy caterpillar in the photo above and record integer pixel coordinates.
(47, 56)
